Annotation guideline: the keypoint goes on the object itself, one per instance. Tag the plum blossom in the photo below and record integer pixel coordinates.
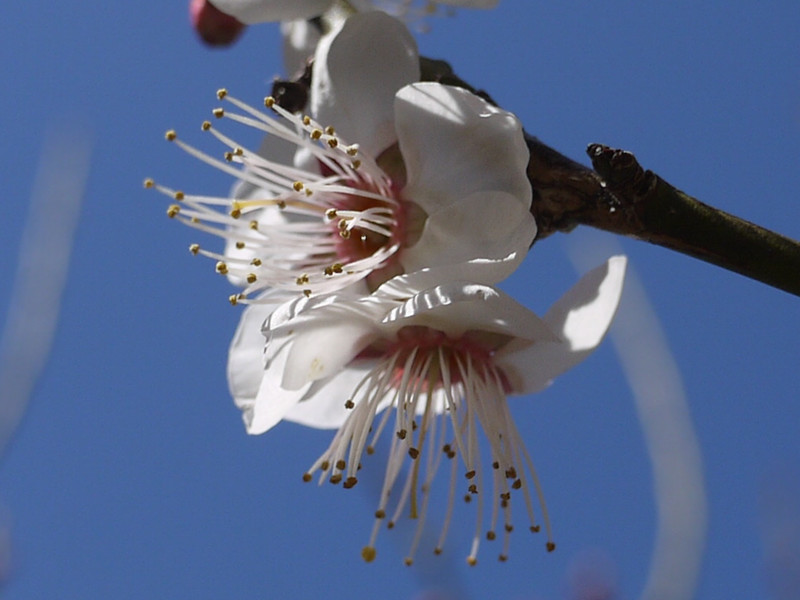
(428, 359)
(389, 176)
(260, 11)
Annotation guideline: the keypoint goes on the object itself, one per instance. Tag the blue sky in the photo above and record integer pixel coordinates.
(132, 476)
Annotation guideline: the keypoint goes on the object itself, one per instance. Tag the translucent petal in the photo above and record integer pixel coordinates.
(259, 11)
(357, 74)
(455, 144)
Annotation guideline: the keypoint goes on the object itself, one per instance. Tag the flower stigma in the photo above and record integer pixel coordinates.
(302, 230)
(443, 392)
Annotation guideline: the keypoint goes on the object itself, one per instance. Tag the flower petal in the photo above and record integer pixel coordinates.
(488, 225)
(457, 307)
(260, 11)
(581, 318)
(246, 355)
(455, 144)
(357, 72)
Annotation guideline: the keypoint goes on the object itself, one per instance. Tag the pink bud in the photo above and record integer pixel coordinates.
(213, 26)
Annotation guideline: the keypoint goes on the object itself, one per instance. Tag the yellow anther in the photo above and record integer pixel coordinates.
(333, 142)
(329, 130)
(235, 212)
(306, 120)
(502, 558)
(254, 224)
(337, 267)
(194, 249)
(329, 214)
(256, 262)
(490, 535)
(328, 271)
(281, 204)
(297, 185)
(368, 553)
(408, 561)
(345, 234)
(307, 293)
(148, 183)
(173, 210)
(233, 299)
(239, 245)
(349, 482)
(356, 164)
(218, 112)
(178, 195)
(380, 514)
(303, 279)
(472, 561)
(222, 268)
(535, 528)
(550, 546)
(195, 220)
(349, 404)
(251, 278)
(221, 93)
(206, 125)
(437, 551)
(171, 135)
(306, 477)
(269, 101)
(509, 527)
(352, 150)
(335, 478)
(316, 134)
(228, 156)
(342, 224)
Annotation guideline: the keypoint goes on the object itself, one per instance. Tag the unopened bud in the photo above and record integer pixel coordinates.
(213, 26)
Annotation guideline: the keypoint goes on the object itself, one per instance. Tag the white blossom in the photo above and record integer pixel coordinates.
(429, 359)
(389, 176)
(259, 11)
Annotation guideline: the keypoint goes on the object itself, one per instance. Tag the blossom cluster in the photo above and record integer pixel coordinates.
(366, 237)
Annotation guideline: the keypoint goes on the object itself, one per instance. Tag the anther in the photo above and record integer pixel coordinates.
(472, 561)
(297, 185)
(368, 553)
(469, 474)
(235, 213)
(194, 249)
(149, 183)
(316, 134)
(473, 489)
(325, 465)
(171, 135)
(437, 551)
(370, 450)
(306, 477)
(390, 525)
(233, 299)
(511, 473)
(490, 535)
(307, 293)
(349, 404)
(495, 465)
(254, 225)
(509, 527)
(239, 245)
(535, 528)
(349, 482)
(329, 130)
(413, 453)
(256, 262)
(269, 101)
(380, 514)
(218, 112)
(333, 142)
(335, 478)
(408, 561)
(517, 484)
(206, 125)
(221, 93)
(251, 278)
(402, 434)
(550, 546)
(222, 268)
(329, 214)
(173, 210)
(502, 558)
(340, 464)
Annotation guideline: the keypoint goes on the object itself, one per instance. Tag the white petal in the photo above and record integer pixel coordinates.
(356, 75)
(246, 354)
(323, 405)
(581, 318)
(458, 307)
(272, 401)
(483, 225)
(300, 39)
(455, 144)
(259, 11)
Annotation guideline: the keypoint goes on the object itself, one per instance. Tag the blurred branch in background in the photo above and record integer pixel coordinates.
(661, 404)
(42, 268)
